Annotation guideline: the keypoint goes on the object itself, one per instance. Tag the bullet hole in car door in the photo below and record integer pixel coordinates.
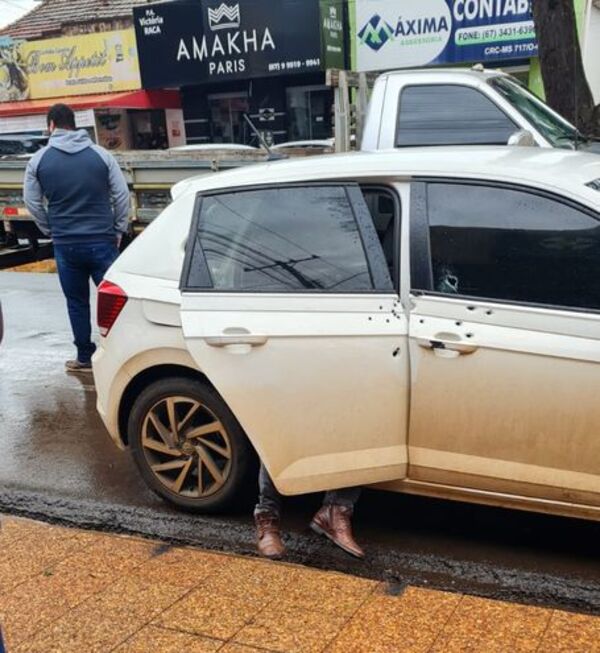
(446, 281)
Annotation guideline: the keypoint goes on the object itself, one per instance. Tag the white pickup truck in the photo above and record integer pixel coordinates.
(462, 107)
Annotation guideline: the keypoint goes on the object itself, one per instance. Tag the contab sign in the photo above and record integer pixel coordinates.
(489, 9)
(404, 34)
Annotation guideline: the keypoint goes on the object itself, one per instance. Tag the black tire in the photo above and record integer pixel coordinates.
(238, 471)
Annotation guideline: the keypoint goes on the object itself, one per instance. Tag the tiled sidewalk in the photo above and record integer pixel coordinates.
(64, 590)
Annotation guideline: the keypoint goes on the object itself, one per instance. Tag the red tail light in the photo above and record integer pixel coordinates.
(111, 300)
(10, 211)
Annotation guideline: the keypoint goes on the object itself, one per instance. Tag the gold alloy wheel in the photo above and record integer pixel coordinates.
(187, 447)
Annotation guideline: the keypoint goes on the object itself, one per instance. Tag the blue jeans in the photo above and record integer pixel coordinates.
(269, 499)
(76, 264)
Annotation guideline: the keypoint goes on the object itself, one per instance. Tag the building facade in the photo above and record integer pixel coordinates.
(388, 34)
(263, 59)
(83, 53)
(154, 75)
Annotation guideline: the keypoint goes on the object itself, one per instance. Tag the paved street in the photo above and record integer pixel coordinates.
(69, 590)
(57, 464)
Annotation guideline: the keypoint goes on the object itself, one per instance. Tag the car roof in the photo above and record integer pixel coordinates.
(453, 73)
(553, 169)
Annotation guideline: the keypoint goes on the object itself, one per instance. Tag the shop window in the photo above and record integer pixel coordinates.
(309, 113)
(149, 130)
(227, 118)
(114, 129)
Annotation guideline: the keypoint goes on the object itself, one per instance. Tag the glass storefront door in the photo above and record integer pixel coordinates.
(149, 129)
(310, 113)
(227, 117)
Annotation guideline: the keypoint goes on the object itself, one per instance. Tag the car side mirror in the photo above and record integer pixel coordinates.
(522, 138)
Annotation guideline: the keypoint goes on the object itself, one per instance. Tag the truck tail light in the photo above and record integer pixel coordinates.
(10, 211)
(111, 301)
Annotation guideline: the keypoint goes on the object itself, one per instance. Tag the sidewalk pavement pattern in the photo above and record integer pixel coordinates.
(66, 590)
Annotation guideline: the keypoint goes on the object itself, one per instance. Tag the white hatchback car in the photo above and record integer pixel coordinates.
(426, 320)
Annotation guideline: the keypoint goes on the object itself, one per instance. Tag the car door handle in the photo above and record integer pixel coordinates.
(236, 336)
(445, 348)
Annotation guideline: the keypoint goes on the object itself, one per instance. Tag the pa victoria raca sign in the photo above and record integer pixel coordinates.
(197, 41)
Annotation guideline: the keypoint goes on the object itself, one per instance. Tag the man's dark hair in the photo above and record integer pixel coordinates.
(62, 116)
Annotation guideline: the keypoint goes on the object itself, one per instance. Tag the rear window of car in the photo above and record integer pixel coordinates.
(450, 114)
(286, 239)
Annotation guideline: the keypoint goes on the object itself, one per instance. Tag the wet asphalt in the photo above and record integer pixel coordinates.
(58, 464)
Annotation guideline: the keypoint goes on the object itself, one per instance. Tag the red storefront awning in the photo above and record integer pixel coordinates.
(125, 100)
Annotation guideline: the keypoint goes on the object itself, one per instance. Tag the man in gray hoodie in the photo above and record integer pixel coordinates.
(78, 196)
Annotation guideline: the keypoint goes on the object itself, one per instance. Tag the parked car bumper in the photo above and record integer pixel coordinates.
(110, 385)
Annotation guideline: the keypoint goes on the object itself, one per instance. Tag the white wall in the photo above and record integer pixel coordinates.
(591, 49)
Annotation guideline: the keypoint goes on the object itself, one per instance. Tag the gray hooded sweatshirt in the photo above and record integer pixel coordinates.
(76, 191)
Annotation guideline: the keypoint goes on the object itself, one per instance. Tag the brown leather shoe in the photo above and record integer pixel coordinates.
(335, 523)
(78, 366)
(269, 536)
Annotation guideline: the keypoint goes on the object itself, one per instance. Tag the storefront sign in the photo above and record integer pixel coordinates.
(194, 41)
(404, 34)
(74, 65)
(333, 30)
(14, 85)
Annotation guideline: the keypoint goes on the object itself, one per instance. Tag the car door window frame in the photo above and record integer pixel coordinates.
(395, 197)
(375, 258)
(397, 145)
(421, 264)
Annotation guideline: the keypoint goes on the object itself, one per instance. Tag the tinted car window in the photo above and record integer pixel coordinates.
(382, 208)
(444, 114)
(282, 240)
(506, 244)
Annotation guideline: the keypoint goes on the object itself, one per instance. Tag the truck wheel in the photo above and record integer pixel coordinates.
(189, 447)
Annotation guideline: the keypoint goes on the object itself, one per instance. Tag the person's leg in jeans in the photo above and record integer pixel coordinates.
(75, 282)
(102, 256)
(269, 499)
(267, 516)
(347, 497)
(333, 520)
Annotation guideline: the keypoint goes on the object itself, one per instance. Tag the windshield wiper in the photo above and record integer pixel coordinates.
(576, 140)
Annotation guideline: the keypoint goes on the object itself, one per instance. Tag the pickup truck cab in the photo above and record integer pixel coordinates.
(462, 107)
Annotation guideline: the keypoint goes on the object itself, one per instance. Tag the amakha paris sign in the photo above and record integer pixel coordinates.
(198, 41)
